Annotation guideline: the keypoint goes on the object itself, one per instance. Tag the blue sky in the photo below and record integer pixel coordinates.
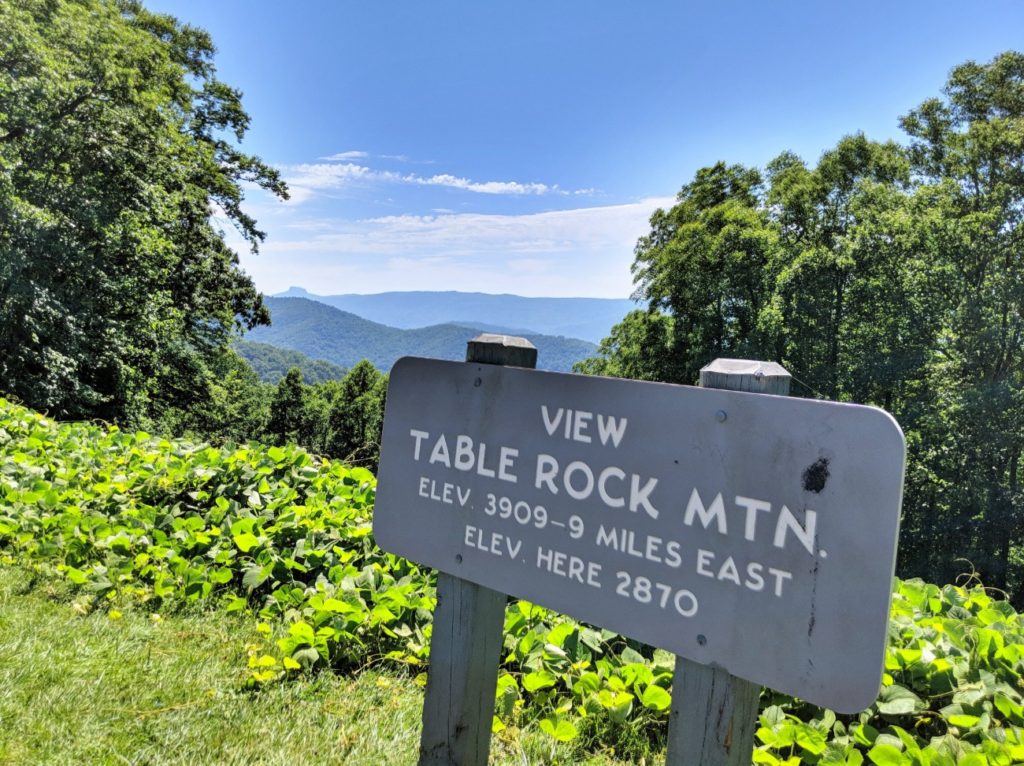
(521, 146)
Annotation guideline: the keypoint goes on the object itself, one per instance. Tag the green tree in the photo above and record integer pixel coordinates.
(968, 151)
(236, 406)
(886, 274)
(288, 422)
(706, 262)
(117, 293)
(640, 347)
(824, 280)
(320, 397)
(357, 416)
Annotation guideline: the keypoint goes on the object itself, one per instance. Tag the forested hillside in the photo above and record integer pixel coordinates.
(886, 273)
(272, 363)
(323, 332)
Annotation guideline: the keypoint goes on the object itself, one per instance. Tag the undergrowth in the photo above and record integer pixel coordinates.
(131, 520)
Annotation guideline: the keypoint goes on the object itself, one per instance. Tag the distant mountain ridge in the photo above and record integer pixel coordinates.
(590, 319)
(321, 331)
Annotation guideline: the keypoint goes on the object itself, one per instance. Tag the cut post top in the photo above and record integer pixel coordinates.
(510, 350)
(746, 375)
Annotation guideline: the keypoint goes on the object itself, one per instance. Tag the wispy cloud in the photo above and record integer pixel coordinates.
(330, 175)
(544, 253)
(345, 156)
(306, 178)
(486, 187)
(359, 155)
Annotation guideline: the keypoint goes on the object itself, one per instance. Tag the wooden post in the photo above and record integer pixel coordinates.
(714, 714)
(469, 621)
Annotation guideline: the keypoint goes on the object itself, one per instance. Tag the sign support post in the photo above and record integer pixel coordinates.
(469, 620)
(714, 714)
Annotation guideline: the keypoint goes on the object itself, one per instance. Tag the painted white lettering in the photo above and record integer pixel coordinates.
(703, 559)
(608, 537)
(602, 488)
(440, 452)
(578, 466)
(545, 558)
(805, 534)
(579, 482)
(610, 427)
(631, 548)
(570, 567)
(506, 462)
(481, 458)
(580, 426)
(638, 496)
(496, 544)
(463, 453)
(575, 569)
(551, 424)
(752, 506)
(547, 470)
(728, 571)
(651, 549)
(673, 557)
(779, 576)
(419, 436)
(715, 513)
(754, 581)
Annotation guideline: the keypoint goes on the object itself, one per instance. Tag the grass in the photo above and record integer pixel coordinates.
(92, 688)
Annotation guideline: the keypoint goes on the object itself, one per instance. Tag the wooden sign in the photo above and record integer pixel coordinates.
(753, 533)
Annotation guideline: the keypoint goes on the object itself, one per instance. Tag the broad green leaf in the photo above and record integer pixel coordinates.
(657, 699)
(221, 575)
(898, 700)
(246, 541)
(887, 755)
(559, 728)
(973, 759)
(1013, 711)
(963, 721)
(540, 679)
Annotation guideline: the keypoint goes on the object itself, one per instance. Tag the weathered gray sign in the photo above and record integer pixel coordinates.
(753, 532)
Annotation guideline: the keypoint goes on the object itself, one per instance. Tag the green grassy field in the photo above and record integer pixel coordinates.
(139, 689)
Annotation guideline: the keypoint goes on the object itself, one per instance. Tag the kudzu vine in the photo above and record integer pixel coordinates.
(131, 519)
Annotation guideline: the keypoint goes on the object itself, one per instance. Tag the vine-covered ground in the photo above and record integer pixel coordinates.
(134, 523)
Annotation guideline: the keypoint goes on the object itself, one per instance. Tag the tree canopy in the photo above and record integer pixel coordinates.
(890, 274)
(118, 292)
